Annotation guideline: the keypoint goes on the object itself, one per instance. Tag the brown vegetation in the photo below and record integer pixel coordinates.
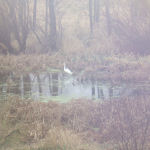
(48, 26)
(123, 124)
(85, 65)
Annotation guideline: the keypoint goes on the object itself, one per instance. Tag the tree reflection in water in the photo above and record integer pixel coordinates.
(50, 85)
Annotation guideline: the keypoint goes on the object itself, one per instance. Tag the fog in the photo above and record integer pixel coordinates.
(47, 26)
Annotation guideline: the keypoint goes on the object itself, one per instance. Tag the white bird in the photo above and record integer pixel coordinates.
(67, 70)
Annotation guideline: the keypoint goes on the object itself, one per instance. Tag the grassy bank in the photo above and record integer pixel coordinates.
(86, 65)
(77, 125)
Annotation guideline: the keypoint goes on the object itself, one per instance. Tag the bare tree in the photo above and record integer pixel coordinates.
(5, 29)
(34, 13)
(91, 15)
(46, 17)
(53, 31)
(96, 11)
(18, 19)
(108, 18)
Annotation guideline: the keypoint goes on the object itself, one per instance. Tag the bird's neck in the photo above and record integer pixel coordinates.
(64, 66)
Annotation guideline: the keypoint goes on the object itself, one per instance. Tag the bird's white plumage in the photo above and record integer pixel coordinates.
(67, 70)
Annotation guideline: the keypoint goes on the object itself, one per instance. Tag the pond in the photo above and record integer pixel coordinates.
(63, 87)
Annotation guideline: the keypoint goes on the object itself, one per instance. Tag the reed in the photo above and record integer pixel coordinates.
(121, 123)
(86, 65)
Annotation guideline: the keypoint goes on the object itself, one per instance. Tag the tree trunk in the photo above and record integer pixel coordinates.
(91, 16)
(23, 27)
(96, 11)
(5, 36)
(46, 18)
(108, 17)
(34, 14)
(53, 32)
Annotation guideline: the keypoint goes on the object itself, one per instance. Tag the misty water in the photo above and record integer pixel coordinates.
(62, 87)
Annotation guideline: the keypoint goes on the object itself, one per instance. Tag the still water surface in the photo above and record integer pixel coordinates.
(61, 87)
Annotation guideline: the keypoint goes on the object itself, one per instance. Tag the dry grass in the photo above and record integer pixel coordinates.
(85, 65)
(59, 138)
(38, 125)
(23, 64)
(124, 124)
